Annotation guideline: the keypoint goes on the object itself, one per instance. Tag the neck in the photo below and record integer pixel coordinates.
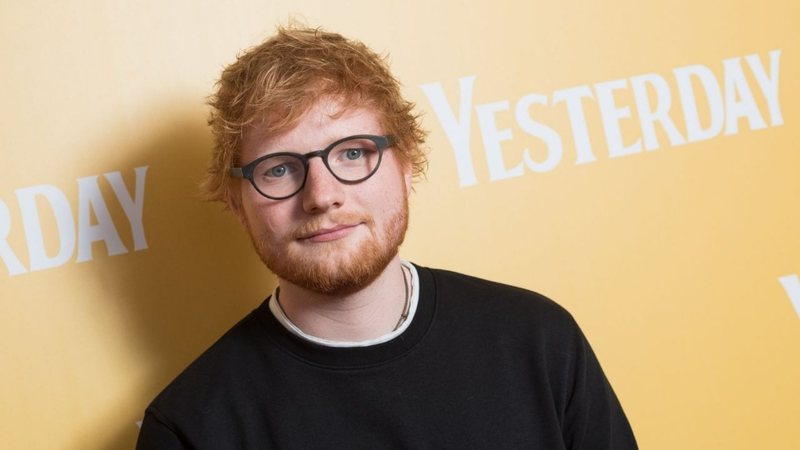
(366, 314)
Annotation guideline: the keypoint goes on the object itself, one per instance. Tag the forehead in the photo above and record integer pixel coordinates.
(326, 121)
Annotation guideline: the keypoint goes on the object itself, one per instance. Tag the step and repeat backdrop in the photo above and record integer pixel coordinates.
(638, 162)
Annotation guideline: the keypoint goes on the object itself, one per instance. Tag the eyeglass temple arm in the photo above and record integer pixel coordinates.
(236, 172)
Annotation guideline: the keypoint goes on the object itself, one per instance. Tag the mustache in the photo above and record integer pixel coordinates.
(329, 221)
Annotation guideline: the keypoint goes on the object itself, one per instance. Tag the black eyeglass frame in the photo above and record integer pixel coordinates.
(246, 171)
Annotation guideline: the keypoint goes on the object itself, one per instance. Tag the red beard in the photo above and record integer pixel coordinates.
(331, 268)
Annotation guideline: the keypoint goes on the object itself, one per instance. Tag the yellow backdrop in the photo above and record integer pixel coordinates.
(636, 161)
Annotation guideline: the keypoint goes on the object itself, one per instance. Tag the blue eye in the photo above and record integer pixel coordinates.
(277, 171)
(354, 153)
(281, 170)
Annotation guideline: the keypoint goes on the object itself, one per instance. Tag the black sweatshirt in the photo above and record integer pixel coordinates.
(482, 366)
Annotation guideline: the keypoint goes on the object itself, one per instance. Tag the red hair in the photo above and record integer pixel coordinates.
(272, 85)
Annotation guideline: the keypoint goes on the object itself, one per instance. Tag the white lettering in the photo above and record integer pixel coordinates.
(580, 131)
(94, 222)
(611, 116)
(39, 260)
(90, 199)
(649, 116)
(791, 284)
(10, 259)
(709, 104)
(492, 137)
(457, 130)
(768, 84)
(736, 87)
(694, 130)
(133, 206)
(545, 133)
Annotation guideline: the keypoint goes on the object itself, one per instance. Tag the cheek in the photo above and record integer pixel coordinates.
(263, 215)
(386, 198)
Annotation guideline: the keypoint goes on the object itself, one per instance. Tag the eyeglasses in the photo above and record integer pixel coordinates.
(281, 175)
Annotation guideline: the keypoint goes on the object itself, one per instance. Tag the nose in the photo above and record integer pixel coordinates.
(322, 190)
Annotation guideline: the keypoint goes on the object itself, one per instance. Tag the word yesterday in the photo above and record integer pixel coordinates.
(728, 101)
(82, 236)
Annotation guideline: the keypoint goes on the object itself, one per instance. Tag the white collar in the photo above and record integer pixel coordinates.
(277, 311)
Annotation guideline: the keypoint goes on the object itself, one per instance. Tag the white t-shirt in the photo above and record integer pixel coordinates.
(277, 311)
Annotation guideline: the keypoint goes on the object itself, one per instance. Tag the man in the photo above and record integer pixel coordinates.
(315, 154)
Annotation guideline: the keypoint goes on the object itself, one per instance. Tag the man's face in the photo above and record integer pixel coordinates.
(331, 238)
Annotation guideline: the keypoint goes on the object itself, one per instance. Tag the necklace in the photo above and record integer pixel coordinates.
(407, 303)
(403, 315)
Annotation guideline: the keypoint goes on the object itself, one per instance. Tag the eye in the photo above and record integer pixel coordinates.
(353, 154)
(277, 171)
(279, 168)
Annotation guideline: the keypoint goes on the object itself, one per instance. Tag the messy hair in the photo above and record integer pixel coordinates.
(272, 85)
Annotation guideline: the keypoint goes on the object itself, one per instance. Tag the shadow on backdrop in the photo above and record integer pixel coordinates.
(198, 277)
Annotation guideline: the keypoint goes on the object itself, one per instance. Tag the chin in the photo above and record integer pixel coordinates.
(331, 269)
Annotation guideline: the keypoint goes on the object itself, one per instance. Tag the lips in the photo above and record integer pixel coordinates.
(327, 234)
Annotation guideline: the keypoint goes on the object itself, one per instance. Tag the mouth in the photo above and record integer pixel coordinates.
(327, 234)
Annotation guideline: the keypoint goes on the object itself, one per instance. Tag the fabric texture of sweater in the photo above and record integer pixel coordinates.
(482, 366)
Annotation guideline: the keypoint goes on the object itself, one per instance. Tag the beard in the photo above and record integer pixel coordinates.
(334, 268)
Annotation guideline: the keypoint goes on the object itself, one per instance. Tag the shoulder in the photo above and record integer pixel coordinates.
(511, 327)
(500, 311)
(223, 364)
(493, 297)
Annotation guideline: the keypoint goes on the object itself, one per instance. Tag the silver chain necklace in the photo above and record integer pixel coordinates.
(403, 315)
(407, 304)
